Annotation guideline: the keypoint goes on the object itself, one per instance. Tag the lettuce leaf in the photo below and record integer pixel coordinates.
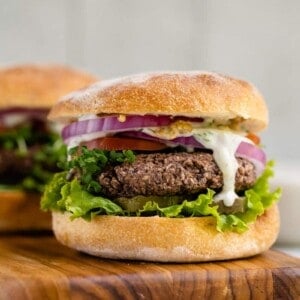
(53, 192)
(71, 197)
(49, 150)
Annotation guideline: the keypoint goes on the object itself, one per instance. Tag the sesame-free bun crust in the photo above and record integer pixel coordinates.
(39, 86)
(20, 211)
(164, 239)
(191, 94)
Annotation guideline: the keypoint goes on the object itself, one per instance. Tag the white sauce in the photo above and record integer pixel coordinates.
(14, 119)
(224, 145)
(87, 117)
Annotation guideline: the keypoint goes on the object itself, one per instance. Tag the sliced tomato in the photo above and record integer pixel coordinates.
(254, 138)
(121, 143)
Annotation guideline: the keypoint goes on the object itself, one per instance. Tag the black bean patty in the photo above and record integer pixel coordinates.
(170, 174)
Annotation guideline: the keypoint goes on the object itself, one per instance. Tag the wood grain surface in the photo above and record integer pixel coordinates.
(37, 267)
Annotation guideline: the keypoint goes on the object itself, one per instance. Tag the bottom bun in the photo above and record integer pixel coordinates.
(164, 239)
(20, 211)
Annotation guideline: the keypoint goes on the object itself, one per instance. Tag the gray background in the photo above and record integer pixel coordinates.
(255, 40)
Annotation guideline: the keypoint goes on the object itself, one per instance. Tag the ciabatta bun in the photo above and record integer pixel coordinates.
(164, 239)
(20, 211)
(191, 94)
(39, 86)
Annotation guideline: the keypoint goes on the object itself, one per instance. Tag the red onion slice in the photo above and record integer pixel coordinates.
(112, 124)
(249, 150)
(188, 141)
(30, 113)
(254, 154)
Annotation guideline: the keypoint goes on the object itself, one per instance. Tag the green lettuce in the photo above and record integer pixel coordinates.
(49, 153)
(62, 195)
(69, 196)
(89, 164)
(45, 161)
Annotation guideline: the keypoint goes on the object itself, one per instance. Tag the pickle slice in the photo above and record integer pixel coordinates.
(239, 205)
(136, 203)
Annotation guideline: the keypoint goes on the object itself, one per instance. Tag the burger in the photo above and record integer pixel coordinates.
(30, 146)
(164, 167)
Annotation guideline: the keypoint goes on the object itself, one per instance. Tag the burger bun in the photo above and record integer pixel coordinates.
(192, 239)
(20, 211)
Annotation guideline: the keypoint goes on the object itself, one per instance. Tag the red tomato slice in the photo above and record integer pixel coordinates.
(120, 143)
(254, 138)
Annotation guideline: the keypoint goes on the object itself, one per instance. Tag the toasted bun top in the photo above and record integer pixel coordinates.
(38, 86)
(191, 94)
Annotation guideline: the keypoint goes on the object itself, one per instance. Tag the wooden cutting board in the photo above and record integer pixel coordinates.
(39, 268)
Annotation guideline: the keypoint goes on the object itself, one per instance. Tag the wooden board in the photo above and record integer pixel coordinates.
(39, 268)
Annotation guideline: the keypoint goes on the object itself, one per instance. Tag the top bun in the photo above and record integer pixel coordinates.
(190, 94)
(38, 86)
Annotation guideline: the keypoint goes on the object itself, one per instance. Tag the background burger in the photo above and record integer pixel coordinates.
(29, 146)
(164, 167)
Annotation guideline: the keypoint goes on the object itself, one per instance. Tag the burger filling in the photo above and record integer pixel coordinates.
(29, 150)
(165, 166)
